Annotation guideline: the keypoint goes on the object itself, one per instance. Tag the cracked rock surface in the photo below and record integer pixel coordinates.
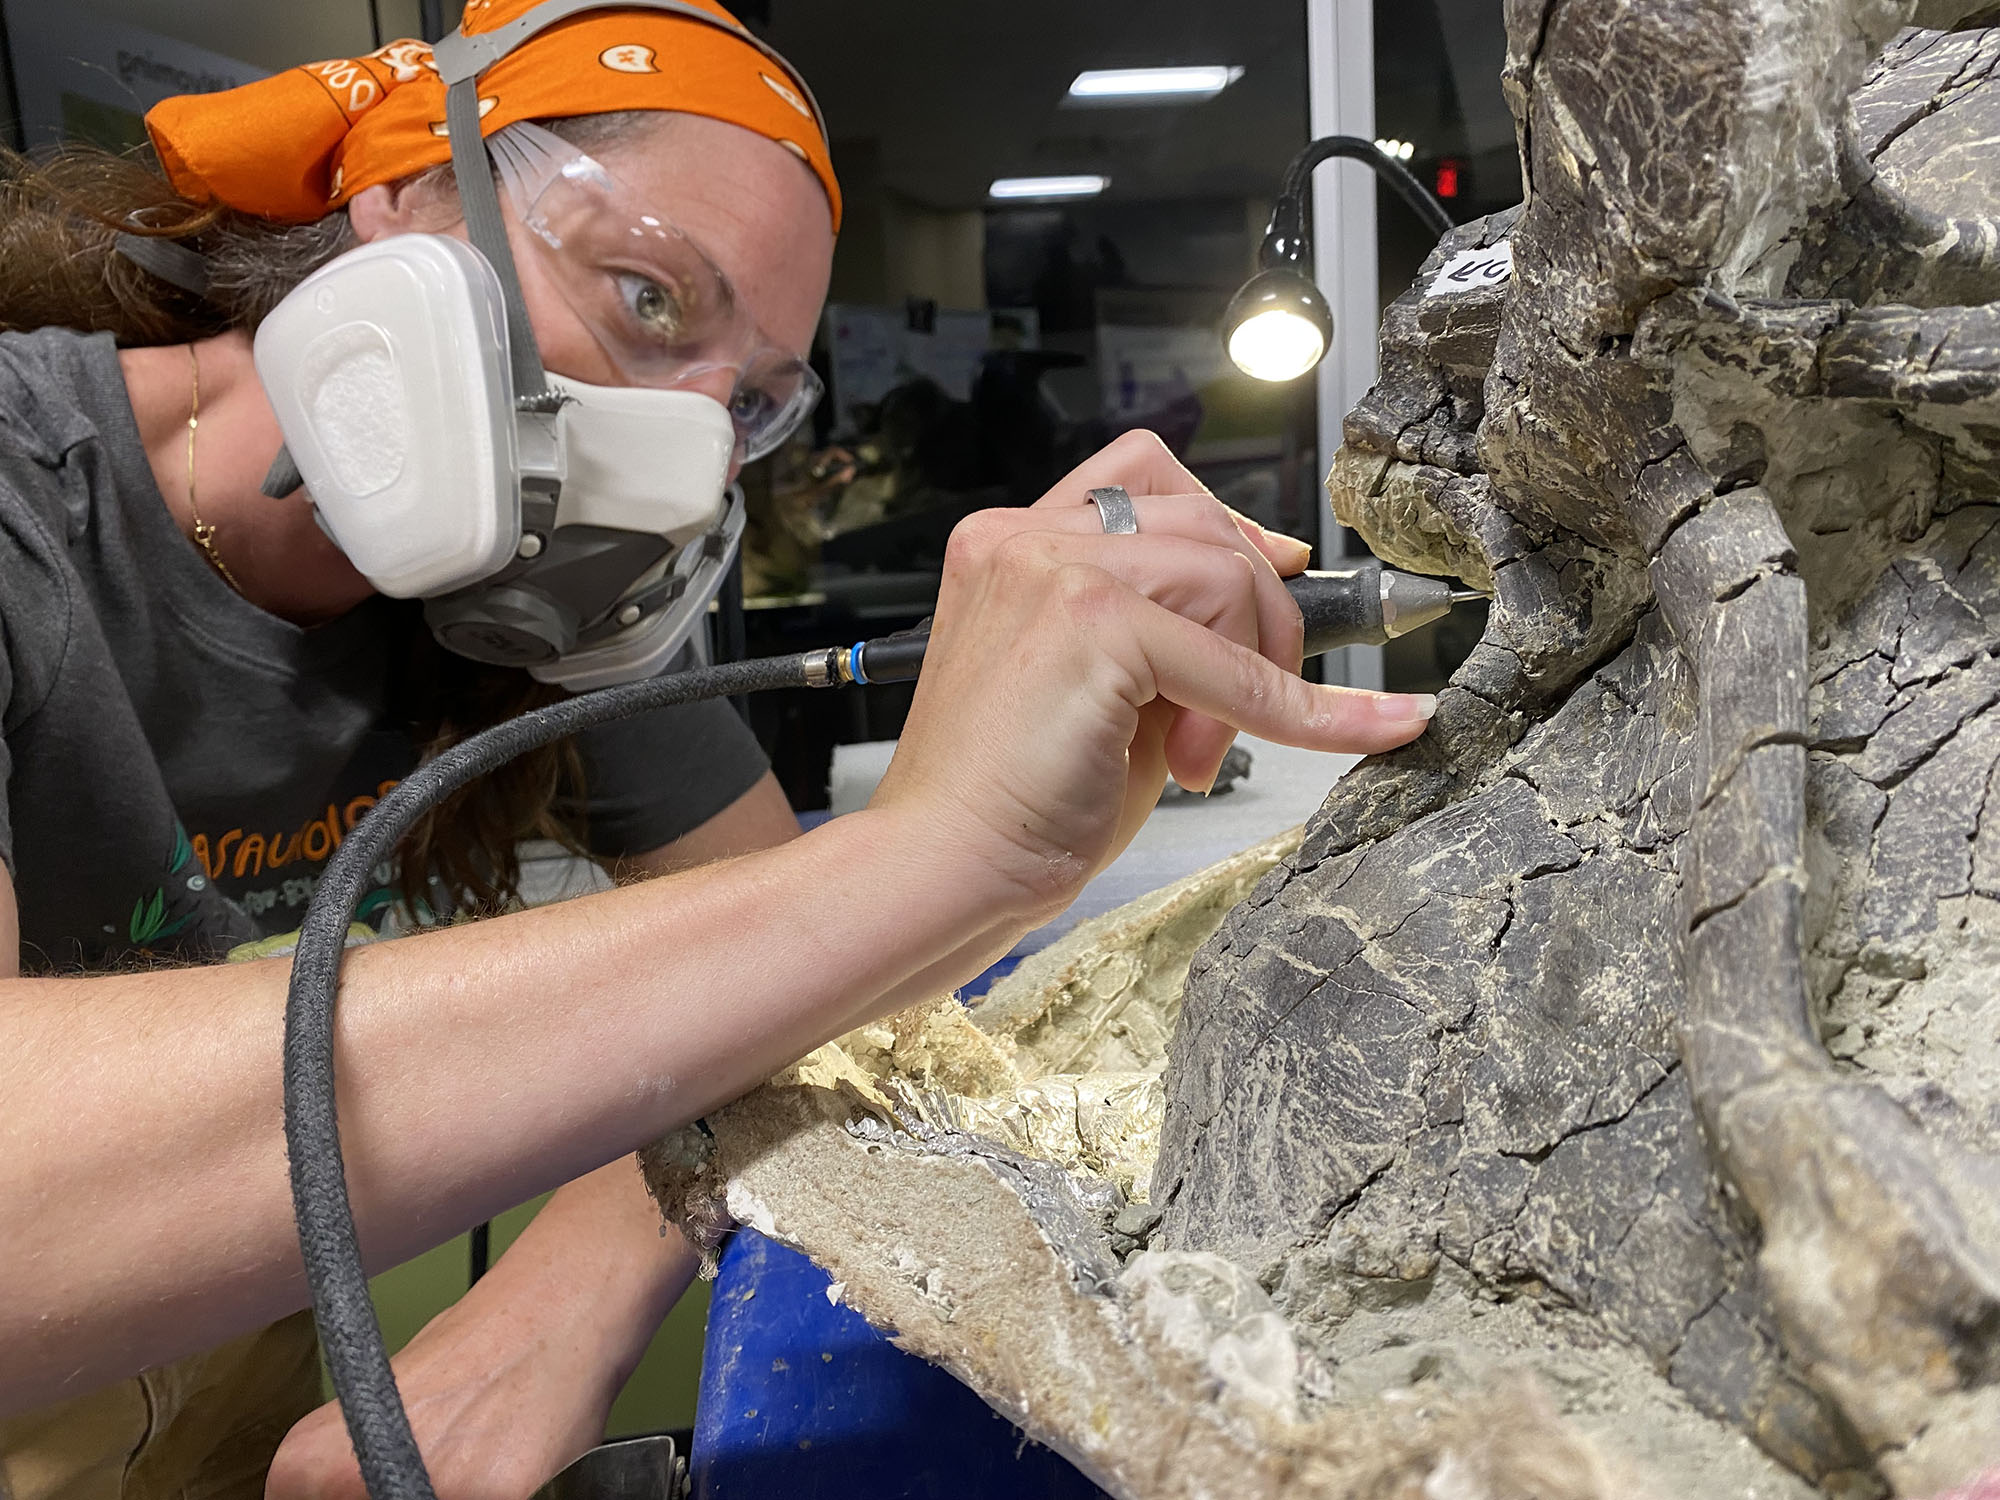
(1655, 989)
(895, 1157)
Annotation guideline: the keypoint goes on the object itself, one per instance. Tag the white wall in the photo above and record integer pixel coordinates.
(1340, 36)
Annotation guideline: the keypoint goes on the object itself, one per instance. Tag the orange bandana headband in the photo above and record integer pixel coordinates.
(297, 145)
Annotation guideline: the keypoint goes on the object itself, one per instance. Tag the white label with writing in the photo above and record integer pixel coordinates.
(1471, 269)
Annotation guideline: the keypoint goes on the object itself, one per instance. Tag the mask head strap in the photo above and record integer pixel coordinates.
(460, 59)
(480, 201)
(172, 262)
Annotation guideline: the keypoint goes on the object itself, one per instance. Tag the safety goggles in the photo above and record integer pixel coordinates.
(663, 313)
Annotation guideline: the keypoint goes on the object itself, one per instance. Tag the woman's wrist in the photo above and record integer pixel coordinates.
(594, 1266)
(914, 885)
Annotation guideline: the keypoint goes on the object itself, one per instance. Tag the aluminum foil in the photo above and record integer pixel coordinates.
(1104, 1123)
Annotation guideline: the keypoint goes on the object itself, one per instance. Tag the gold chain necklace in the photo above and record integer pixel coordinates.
(204, 534)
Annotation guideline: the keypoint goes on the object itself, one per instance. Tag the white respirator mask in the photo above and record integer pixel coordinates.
(582, 539)
(579, 531)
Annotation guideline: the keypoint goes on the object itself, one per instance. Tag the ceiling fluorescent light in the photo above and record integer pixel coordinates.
(1149, 85)
(1047, 187)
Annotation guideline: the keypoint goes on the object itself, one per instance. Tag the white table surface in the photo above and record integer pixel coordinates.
(1284, 788)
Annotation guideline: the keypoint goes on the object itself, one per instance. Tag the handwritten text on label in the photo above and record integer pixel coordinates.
(1471, 269)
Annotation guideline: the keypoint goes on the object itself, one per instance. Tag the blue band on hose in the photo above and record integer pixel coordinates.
(854, 663)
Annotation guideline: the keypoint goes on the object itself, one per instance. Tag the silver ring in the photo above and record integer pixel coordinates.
(1115, 510)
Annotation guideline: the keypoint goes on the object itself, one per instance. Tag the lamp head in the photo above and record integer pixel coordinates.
(1278, 326)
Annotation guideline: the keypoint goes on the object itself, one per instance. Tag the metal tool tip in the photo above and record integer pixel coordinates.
(1466, 596)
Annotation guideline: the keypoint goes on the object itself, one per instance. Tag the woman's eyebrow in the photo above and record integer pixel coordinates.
(729, 297)
(725, 288)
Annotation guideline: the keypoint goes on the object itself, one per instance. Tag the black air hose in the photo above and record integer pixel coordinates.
(356, 1357)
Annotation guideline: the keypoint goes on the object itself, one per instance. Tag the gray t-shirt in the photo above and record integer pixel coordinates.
(178, 764)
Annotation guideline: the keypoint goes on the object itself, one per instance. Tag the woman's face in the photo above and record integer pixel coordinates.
(751, 207)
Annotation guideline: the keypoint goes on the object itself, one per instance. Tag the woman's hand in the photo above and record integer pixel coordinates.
(501, 1400)
(498, 1405)
(1070, 672)
(514, 1382)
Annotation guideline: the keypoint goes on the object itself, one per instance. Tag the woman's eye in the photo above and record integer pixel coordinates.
(653, 305)
(749, 406)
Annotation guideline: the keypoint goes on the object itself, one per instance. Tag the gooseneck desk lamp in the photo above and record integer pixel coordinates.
(1279, 326)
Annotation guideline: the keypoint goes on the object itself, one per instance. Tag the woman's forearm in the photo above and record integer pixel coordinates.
(142, 1169)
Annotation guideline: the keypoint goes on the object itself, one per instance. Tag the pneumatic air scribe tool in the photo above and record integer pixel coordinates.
(1363, 605)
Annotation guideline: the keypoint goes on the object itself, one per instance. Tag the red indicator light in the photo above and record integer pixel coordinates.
(1447, 178)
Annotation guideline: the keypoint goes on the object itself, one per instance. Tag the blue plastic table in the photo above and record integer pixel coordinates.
(802, 1400)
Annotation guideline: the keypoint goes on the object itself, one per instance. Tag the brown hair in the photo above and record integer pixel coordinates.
(60, 214)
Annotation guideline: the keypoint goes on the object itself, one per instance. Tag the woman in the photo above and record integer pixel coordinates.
(180, 656)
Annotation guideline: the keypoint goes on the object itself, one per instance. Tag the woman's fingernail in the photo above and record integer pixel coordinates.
(1300, 552)
(1406, 708)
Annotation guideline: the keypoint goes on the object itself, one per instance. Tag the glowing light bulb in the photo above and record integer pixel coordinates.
(1276, 344)
(1278, 325)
